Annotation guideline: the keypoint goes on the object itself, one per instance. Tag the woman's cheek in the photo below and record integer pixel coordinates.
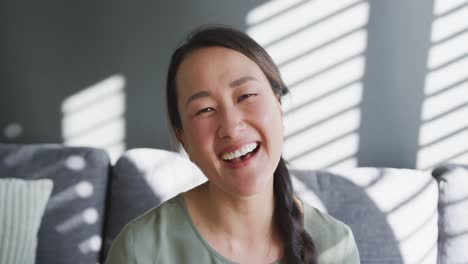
(261, 109)
(201, 129)
(272, 117)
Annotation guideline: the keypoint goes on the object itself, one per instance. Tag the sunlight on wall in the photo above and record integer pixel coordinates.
(319, 47)
(443, 135)
(95, 117)
(13, 130)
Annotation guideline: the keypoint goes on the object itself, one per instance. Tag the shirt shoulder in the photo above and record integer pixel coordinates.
(333, 239)
(163, 234)
(158, 218)
(149, 237)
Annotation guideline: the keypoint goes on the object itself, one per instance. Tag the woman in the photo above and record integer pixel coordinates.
(223, 99)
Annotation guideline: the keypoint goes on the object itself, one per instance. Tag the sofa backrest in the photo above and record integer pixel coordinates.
(392, 212)
(397, 215)
(71, 228)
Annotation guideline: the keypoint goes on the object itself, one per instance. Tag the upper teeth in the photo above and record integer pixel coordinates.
(240, 152)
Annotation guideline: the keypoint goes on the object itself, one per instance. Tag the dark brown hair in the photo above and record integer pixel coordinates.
(299, 247)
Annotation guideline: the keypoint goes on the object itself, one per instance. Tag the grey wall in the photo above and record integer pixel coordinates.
(52, 50)
(399, 41)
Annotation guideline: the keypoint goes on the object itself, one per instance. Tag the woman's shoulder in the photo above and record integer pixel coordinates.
(164, 234)
(158, 217)
(151, 235)
(333, 239)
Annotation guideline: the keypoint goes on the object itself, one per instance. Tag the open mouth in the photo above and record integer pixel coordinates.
(242, 154)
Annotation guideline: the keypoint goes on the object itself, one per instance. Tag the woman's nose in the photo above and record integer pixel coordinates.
(231, 123)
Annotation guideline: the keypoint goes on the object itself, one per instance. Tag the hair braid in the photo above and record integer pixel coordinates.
(299, 247)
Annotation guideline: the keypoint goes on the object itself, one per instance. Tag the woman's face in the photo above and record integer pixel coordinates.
(232, 122)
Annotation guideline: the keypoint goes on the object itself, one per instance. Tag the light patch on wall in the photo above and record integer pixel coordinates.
(443, 135)
(95, 117)
(13, 130)
(450, 22)
(264, 12)
(319, 47)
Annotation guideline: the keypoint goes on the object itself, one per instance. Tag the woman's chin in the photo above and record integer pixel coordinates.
(252, 188)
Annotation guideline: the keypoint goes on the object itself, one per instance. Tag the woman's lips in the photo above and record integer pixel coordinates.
(244, 160)
(239, 152)
(235, 147)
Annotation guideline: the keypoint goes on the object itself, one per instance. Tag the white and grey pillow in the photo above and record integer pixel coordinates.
(22, 205)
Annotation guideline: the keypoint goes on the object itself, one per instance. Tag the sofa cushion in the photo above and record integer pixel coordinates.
(142, 179)
(72, 224)
(22, 205)
(453, 213)
(392, 212)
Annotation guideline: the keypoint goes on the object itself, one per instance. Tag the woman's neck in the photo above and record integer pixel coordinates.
(243, 217)
(240, 217)
(236, 227)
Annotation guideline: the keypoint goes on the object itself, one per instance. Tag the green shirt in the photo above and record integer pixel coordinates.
(166, 234)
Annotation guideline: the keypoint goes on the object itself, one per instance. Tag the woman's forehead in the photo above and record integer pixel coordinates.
(215, 66)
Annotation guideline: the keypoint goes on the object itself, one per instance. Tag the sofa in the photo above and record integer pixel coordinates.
(396, 215)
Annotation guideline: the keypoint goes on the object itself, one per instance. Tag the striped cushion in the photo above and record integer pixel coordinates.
(22, 204)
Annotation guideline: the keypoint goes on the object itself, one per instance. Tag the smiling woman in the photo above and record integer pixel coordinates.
(236, 113)
(224, 104)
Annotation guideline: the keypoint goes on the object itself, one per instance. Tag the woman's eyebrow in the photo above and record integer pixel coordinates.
(241, 80)
(233, 84)
(197, 95)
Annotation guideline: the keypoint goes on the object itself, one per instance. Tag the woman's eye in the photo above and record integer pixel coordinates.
(245, 96)
(205, 110)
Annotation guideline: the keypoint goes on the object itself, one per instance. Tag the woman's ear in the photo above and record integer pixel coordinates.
(278, 97)
(180, 136)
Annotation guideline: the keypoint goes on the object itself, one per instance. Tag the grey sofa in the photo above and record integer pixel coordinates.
(397, 215)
